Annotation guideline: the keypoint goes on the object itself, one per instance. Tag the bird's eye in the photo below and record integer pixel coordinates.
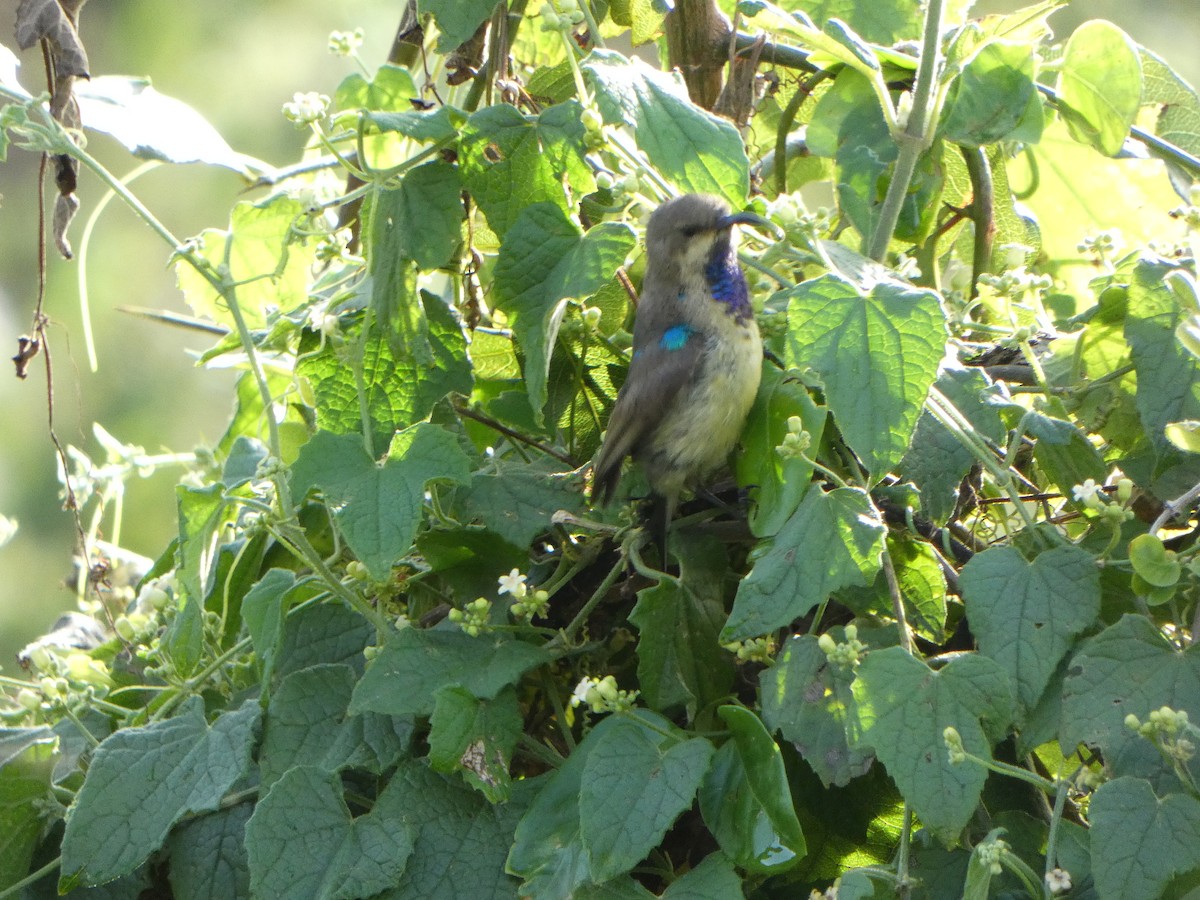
(690, 230)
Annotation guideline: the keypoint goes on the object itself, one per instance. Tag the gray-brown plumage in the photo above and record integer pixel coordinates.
(697, 355)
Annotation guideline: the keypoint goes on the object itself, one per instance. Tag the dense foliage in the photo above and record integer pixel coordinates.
(937, 641)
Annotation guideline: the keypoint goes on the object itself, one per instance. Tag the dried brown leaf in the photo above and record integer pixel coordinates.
(65, 207)
(46, 19)
(27, 349)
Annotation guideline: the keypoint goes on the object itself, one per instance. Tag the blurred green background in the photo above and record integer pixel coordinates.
(236, 63)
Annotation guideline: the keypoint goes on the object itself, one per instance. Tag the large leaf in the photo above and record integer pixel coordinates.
(144, 780)
(697, 151)
(154, 126)
(510, 161)
(993, 95)
(544, 259)
(1026, 615)
(746, 801)
(378, 507)
(394, 389)
(832, 541)
(1100, 85)
(902, 708)
(680, 662)
(807, 700)
(417, 663)
(456, 19)
(1127, 669)
(303, 842)
(877, 355)
(636, 782)
(1140, 842)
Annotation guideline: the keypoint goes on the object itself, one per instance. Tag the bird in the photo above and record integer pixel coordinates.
(697, 356)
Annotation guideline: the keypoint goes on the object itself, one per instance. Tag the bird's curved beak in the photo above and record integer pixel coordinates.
(747, 218)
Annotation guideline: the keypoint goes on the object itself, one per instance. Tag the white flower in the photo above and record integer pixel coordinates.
(1086, 491)
(1058, 881)
(513, 583)
(580, 695)
(306, 108)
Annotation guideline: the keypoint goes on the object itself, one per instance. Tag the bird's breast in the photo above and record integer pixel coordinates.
(704, 423)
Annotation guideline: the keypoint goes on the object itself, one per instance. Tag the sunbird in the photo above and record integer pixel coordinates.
(697, 355)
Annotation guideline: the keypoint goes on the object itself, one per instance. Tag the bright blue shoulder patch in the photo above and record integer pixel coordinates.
(675, 337)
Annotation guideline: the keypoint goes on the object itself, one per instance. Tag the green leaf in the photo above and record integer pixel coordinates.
(806, 700)
(476, 737)
(545, 259)
(692, 148)
(1064, 452)
(263, 609)
(881, 23)
(1178, 104)
(414, 665)
(902, 708)
(1100, 85)
(1139, 842)
(427, 215)
(832, 541)
(389, 91)
(746, 801)
(777, 483)
(877, 355)
(270, 268)
(1168, 377)
(936, 461)
(992, 95)
(154, 126)
(27, 760)
(208, 856)
(1157, 565)
(510, 161)
(1027, 615)
(307, 725)
(456, 19)
(714, 879)
(143, 780)
(922, 585)
(201, 512)
(1184, 435)
(1127, 669)
(636, 781)
(460, 842)
(519, 499)
(302, 841)
(680, 661)
(643, 17)
(434, 126)
(397, 391)
(329, 632)
(547, 851)
(377, 507)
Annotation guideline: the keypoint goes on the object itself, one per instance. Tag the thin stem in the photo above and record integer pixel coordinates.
(567, 634)
(14, 890)
(889, 573)
(560, 712)
(917, 133)
(1173, 507)
(1060, 802)
(903, 885)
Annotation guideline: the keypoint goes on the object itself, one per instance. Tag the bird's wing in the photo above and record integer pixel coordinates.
(655, 377)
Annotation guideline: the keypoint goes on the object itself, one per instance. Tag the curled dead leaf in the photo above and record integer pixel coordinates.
(27, 349)
(46, 19)
(65, 207)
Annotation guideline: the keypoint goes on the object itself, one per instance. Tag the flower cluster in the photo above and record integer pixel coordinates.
(345, 43)
(473, 618)
(847, 655)
(759, 649)
(1092, 496)
(796, 441)
(602, 695)
(991, 854)
(1169, 729)
(306, 108)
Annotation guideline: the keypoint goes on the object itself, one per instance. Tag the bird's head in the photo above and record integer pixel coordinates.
(689, 231)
